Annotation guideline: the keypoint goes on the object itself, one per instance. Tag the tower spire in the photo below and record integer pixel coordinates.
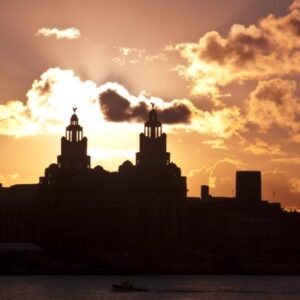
(74, 130)
(74, 146)
(153, 128)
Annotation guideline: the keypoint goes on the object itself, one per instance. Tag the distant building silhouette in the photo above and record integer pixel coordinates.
(205, 192)
(142, 211)
(248, 186)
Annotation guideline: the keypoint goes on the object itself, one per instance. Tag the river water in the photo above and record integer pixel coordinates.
(161, 287)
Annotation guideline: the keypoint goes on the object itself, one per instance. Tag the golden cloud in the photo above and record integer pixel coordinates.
(48, 103)
(216, 144)
(287, 160)
(68, 33)
(134, 56)
(257, 52)
(274, 102)
(223, 123)
(52, 96)
(260, 147)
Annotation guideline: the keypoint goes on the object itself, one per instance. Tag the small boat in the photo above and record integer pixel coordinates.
(128, 287)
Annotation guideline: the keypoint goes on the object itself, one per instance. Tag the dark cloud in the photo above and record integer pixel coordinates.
(213, 51)
(245, 47)
(113, 106)
(239, 48)
(119, 109)
(274, 91)
(179, 113)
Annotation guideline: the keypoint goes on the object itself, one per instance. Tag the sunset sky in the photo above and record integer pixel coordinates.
(224, 75)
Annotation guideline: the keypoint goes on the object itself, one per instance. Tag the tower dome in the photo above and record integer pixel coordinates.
(74, 118)
(153, 126)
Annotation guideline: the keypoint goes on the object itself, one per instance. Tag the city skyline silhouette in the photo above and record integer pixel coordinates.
(149, 137)
(140, 218)
(225, 84)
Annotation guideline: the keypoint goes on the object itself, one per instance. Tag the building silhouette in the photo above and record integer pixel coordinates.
(138, 208)
(141, 213)
(74, 147)
(248, 186)
(153, 144)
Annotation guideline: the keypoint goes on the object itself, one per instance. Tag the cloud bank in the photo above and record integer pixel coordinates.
(51, 97)
(119, 109)
(262, 51)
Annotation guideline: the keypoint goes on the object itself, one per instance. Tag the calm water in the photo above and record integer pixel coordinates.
(162, 287)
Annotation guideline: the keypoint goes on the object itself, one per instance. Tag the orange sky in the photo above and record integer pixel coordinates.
(224, 73)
